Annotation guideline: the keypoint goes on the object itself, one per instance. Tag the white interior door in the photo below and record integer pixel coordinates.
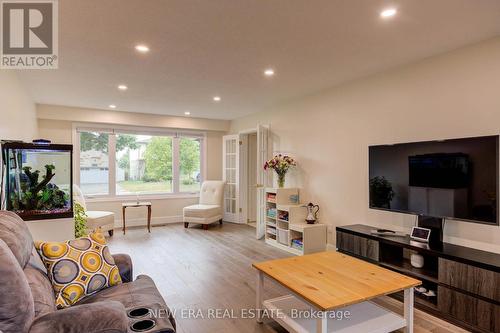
(230, 173)
(262, 179)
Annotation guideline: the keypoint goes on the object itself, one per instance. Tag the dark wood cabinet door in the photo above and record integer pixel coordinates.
(473, 311)
(470, 278)
(360, 246)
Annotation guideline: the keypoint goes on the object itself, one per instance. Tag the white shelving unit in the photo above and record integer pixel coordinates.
(286, 226)
(364, 317)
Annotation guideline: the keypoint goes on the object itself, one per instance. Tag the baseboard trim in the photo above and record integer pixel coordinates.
(142, 222)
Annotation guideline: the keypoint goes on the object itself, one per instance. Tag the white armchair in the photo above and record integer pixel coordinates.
(209, 209)
(95, 219)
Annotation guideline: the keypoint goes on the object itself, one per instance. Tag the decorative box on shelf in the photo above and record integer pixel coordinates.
(286, 227)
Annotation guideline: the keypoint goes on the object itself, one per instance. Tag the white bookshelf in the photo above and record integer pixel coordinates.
(285, 222)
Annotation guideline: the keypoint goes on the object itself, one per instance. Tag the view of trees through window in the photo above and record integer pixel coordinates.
(189, 164)
(144, 163)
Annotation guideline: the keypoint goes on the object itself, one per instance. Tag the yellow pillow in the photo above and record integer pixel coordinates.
(78, 268)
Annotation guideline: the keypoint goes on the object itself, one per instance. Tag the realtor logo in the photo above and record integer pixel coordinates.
(29, 34)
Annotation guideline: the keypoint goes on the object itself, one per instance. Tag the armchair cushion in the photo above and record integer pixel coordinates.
(211, 192)
(202, 211)
(124, 264)
(78, 268)
(108, 317)
(100, 219)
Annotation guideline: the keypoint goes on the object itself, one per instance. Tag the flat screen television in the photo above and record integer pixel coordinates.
(455, 179)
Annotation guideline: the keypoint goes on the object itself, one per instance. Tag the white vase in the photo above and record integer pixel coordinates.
(417, 260)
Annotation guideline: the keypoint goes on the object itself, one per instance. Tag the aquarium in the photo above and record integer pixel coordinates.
(37, 180)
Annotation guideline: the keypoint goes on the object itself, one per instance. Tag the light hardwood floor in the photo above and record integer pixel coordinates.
(203, 270)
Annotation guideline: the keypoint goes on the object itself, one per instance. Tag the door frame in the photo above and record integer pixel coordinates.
(240, 216)
(243, 173)
(228, 215)
(263, 145)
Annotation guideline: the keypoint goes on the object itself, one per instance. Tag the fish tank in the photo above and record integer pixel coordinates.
(37, 180)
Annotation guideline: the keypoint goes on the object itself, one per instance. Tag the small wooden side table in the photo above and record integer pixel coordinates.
(135, 204)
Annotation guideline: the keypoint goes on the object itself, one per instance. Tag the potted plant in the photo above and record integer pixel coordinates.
(381, 192)
(80, 220)
(280, 164)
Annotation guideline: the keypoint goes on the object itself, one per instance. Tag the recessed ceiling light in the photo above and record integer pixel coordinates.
(187, 113)
(389, 12)
(112, 106)
(217, 98)
(142, 48)
(122, 87)
(269, 72)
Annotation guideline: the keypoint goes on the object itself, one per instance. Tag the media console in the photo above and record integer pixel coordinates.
(466, 281)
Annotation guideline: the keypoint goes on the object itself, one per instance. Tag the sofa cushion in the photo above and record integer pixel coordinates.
(202, 211)
(140, 293)
(78, 268)
(16, 302)
(15, 233)
(101, 317)
(41, 289)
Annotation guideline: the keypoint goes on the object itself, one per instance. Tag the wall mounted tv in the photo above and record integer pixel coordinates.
(455, 179)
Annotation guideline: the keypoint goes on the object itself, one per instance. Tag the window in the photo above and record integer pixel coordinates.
(143, 164)
(119, 162)
(190, 164)
(94, 163)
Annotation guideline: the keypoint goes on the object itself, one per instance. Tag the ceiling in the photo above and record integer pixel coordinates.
(203, 48)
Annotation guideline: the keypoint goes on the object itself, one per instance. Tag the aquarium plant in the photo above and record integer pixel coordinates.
(36, 194)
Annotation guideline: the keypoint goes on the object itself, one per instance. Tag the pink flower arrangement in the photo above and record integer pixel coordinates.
(280, 164)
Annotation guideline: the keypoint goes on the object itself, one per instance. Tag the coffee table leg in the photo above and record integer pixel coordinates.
(259, 291)
(149, 218)
(123, 216)
(408, 310)
(322, 323)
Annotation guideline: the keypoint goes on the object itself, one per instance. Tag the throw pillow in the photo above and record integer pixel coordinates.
(78, 268)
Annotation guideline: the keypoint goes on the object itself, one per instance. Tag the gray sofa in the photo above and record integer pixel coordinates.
(27, 301)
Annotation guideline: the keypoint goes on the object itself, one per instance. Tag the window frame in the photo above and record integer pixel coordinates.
(118, 129)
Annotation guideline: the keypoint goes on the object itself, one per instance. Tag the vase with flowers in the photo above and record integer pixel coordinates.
(280, 164)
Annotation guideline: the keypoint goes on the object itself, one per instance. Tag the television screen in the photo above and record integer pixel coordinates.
(456, 178)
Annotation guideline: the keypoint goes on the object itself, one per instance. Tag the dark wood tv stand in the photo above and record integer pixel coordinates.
(466, 281)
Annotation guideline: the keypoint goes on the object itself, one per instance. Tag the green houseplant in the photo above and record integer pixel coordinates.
(381, 192)
(80, 220)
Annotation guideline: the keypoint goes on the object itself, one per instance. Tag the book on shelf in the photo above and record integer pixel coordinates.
(271, 213)
(282, 215)
(271, 197)
(271, 231)
(298, 244)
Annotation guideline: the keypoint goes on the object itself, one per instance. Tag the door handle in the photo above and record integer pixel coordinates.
(259, 185)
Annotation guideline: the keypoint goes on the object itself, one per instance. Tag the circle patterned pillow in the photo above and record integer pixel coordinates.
(78, 268)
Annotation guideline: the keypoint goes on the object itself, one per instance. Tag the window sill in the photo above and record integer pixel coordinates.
(124, 198)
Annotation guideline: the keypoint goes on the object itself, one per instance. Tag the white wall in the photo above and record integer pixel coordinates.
(17, 110)
(18, 122)
(55, 123)
(453, 95)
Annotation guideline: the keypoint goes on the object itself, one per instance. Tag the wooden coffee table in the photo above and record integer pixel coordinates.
(125, 205)
(329, 285)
